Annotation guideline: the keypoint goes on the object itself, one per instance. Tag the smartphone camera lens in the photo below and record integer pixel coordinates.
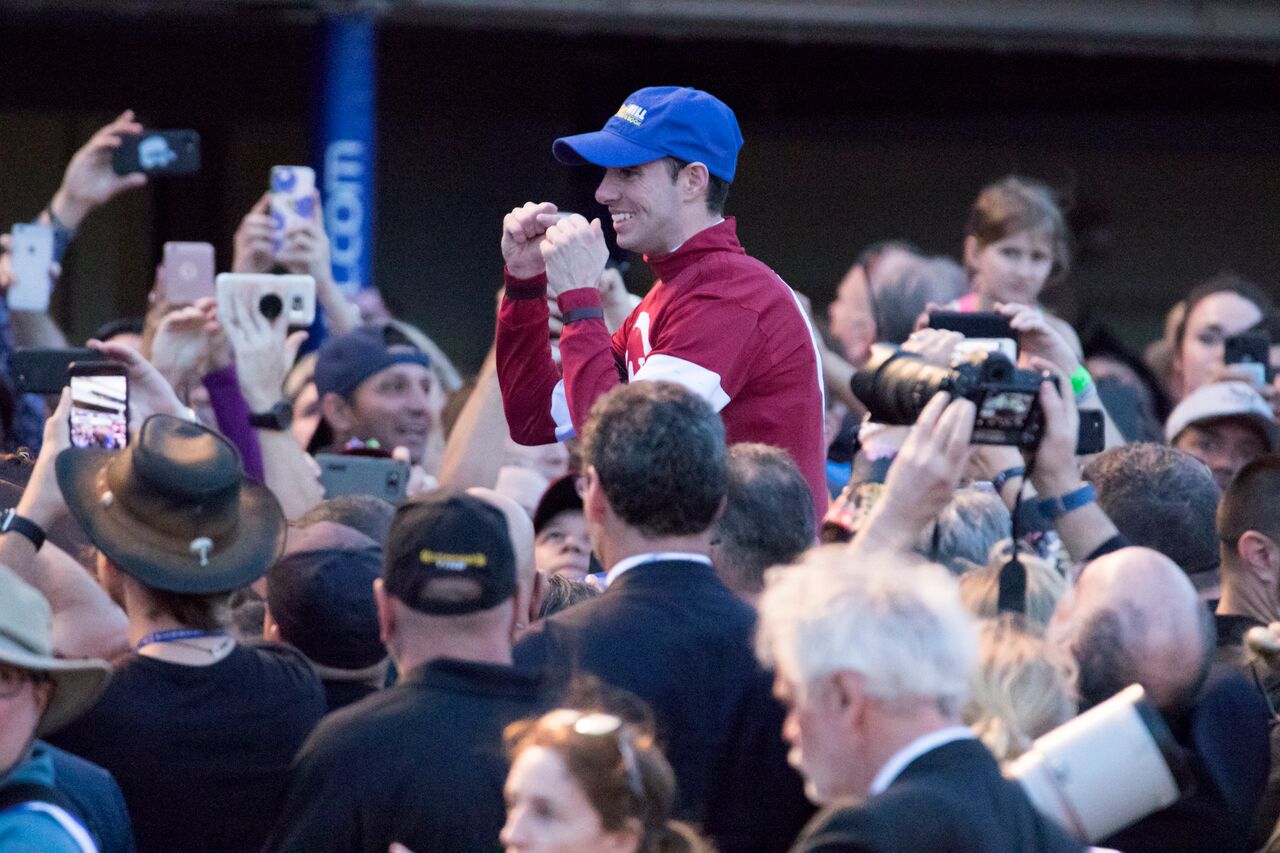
(297, 303)
(270, 306)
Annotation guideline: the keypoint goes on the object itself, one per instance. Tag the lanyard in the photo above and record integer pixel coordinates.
(175, 636)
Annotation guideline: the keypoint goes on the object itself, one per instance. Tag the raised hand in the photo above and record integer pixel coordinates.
(255, 239)
(306, 246)
(1037, 339)
(264, 349)
(575, 254)
(523, 231)
(89, 180)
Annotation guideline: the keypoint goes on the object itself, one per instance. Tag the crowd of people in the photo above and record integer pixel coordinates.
(662, 578)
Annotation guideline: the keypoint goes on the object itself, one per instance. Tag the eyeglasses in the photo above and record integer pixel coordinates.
(14, 678)
(598, 724)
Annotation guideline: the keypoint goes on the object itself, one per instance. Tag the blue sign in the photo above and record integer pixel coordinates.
(345, 146)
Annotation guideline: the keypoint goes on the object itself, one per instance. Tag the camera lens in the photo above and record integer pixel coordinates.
(270, 306)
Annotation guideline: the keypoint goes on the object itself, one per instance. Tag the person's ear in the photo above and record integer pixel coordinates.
(594, 503)
(845, 696)
(693, 181)
(1259, 552)
(971, 252)
(337, 412)
(270, 630)
(386, 613)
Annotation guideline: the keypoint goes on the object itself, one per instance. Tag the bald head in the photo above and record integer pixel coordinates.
(1135, 617)
(520, 527)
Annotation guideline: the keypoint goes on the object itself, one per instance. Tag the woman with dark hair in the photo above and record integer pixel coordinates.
(1016, 241)
(1216, 309)
(590, 782)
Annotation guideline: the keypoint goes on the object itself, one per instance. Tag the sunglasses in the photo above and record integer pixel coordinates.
(601, 725)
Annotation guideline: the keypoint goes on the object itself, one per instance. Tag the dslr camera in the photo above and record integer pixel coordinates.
(896, 385)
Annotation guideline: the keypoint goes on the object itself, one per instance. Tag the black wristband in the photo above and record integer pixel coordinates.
(583, 314)
(999, 480)
(11, 522)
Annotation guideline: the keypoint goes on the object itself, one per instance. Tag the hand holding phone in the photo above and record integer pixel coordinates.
(158, 152)
(188, 272)
(99, 405)
(291, 295)
(292, 198)
(984, 331)
(1248, 354)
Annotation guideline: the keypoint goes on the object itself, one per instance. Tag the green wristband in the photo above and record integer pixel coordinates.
(1081, 381)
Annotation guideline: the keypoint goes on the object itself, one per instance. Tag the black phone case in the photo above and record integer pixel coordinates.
(980, 324)
(158, 152)
(44, 371)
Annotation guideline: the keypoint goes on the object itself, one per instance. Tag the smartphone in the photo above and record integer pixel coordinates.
(291, 295)
(292, 198)
(1250, 353)
(158, 152)
(46, 371)
(32, 252)
(1092, 437)
(984, 331)
(385, 478)
(188, 272)
(99, 405)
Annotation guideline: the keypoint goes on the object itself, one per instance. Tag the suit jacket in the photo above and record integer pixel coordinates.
(1226, 737)
(952, 798)
(671, 633)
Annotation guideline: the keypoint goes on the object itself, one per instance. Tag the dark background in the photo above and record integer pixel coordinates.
(1173, 165)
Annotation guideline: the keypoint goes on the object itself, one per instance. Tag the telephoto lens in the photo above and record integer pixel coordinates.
(896, 385)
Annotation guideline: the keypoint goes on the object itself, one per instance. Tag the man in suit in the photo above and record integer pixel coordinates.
(873, 658)
(667, 628)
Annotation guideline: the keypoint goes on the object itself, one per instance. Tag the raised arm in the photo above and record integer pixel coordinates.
(527, 374)
(86, 623)
(264, 351)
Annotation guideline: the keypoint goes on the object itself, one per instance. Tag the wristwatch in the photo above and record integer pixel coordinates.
(11, 522)
(278, 417)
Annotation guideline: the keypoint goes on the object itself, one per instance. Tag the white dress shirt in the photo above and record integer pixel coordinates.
(623, 566)
(909, 753)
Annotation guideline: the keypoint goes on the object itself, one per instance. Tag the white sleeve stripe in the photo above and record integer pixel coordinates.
(667, 368)
(560, 412)
(813, 338)
(68, 823)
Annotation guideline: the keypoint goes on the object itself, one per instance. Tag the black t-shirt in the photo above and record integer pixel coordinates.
(201, 752)
(420, 763)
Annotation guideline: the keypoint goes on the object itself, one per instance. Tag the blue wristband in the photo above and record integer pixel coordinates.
(1051, 509)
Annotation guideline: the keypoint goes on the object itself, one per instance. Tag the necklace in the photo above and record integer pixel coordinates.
(161, 644)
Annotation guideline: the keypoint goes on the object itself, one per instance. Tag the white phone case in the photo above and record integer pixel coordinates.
(32, 251)
(297, 294)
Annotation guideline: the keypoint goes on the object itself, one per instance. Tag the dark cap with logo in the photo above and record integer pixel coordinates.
(446, 537)
(347, 360)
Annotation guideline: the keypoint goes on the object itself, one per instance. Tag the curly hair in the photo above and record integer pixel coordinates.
(659, 452)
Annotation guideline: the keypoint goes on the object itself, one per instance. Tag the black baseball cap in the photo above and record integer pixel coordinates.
(449, 535)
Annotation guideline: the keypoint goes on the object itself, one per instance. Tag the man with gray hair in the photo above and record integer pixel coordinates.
(873, 658)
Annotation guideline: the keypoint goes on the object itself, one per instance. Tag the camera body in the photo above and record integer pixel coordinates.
(895, 386)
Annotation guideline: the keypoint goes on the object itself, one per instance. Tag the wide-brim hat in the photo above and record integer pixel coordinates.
(173, 510)
(26, 642)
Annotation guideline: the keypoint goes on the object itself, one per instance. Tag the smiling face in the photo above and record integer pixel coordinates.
(397, 406)
(645, 205)
(548, 812)
(1201, 353)
(1013, 269)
